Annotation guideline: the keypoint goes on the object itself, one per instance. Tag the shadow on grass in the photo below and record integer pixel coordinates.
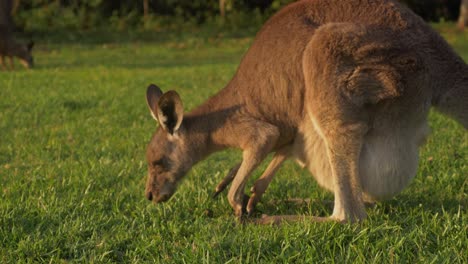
(432, 204)
(295, 206)
(135, 50)
(103, 35)
(138, 63)
(73, 105)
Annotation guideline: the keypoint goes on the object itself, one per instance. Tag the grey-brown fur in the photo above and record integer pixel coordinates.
(9, 48)
(344, 85)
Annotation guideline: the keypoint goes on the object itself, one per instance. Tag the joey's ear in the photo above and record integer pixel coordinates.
(30, 45)
(170, 111)
(153, 93)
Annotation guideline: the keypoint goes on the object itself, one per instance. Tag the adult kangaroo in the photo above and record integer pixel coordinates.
(343, 86)
(10, 48)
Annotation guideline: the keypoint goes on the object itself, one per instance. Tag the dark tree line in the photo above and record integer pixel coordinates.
(463, 18)
(6, 8)
(83, 14)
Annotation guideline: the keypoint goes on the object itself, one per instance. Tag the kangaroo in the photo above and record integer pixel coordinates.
(343, 86)
(10, 48)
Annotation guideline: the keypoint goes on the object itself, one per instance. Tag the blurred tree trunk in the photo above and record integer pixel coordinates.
(6, 20)
(222, 6)
(463, 18)
(15, 6)
(145, 9)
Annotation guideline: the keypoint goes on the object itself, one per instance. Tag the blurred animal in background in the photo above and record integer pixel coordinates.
(10, 48)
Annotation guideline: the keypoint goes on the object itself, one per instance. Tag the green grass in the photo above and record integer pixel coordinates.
(73, 134)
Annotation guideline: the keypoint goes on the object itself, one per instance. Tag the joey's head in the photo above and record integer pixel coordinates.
(24, 54)
(374, 67)
(167, 154)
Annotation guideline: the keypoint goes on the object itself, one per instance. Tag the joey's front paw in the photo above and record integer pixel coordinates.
(226, 181)
(257, 191)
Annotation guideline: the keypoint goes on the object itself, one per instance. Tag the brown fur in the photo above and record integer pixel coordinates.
(343, 86)
(10, 48)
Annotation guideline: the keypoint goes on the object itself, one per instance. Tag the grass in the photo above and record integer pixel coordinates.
(73, 134)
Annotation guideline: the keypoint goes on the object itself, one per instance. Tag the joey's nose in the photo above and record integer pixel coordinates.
(149, 196)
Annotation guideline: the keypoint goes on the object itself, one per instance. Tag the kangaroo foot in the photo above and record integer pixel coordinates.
(240, 210)
(257, 192)
(279, 219)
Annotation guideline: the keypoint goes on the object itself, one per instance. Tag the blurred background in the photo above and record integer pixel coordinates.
(37, 16)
